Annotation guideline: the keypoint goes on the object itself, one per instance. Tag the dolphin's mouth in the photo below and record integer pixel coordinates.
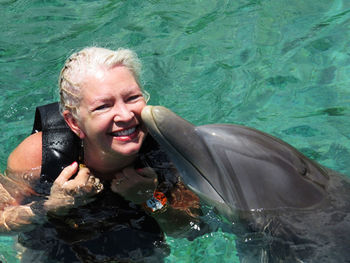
(166, 126)
(149, 121)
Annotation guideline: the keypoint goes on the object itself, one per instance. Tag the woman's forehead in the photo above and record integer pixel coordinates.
(105, 82)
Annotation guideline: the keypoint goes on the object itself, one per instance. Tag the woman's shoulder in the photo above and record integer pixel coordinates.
(27, 155)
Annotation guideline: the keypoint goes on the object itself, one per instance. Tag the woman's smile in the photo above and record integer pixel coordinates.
(110, 112)
(126, 135)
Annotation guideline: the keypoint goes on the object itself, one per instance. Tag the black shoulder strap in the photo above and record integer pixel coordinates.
(60, 146)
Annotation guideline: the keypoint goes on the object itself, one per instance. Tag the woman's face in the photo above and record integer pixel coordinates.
(110, 112)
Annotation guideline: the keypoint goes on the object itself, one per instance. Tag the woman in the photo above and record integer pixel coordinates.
(106, 204)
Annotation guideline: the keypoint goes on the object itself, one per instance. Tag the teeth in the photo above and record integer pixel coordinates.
(125, 132)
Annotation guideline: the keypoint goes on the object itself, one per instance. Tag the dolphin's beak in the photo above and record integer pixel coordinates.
(168, 128)
(185, 148)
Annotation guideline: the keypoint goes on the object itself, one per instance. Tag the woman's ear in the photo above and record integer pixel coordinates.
(73, 124)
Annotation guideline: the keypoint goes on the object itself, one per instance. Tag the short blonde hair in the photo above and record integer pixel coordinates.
(78, 64)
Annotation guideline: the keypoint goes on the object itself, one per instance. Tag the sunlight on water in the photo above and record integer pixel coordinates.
(278, 66)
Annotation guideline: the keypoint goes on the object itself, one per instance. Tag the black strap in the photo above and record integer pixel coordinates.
(60, 146)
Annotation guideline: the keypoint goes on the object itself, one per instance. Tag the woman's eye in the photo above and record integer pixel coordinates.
(134, 97)
(101, 107)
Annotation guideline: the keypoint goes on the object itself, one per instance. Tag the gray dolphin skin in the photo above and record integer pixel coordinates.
(282, 206)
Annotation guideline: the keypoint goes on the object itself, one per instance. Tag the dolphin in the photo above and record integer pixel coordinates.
(281, 205)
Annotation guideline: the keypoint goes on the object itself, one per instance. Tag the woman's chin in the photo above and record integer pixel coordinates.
(128, 149)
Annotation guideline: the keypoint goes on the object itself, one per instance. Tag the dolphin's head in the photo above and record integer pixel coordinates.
(234, 167)
(179, 139)
(186, 149)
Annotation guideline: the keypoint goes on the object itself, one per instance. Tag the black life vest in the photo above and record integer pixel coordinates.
(60, 146)
(109, 228)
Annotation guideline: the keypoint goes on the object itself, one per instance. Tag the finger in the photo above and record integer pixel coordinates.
(67, 173)
(120, 177)
(147, 175)
(147, 172)
(114, 186)
(117, 181)
(82, 177)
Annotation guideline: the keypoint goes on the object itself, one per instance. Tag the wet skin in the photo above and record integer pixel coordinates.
(110, 118)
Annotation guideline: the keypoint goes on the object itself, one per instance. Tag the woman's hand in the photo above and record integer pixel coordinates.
(135, 185)
(67, 193)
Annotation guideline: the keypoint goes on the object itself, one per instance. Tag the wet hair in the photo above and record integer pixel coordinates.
(82, 63)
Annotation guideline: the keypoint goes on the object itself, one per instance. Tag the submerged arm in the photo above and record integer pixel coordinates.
(64, 195)
(18, 211)
(14, 218)
(182, 213)
(17, 186)
(183, 207)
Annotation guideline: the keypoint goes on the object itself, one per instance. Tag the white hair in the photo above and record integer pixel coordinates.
(91, 58)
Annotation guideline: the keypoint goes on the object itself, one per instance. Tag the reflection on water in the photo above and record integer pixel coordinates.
(279, 66)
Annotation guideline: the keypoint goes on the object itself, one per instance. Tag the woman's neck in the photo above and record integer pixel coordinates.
(105, 165)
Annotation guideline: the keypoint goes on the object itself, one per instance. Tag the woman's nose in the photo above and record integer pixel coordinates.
(123, 113)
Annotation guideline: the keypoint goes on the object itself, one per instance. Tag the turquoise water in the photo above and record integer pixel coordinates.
(281, 66)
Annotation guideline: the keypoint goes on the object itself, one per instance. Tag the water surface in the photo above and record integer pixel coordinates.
(281, 66)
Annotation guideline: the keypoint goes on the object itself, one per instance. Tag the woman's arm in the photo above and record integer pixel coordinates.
(183, 206)
(182, 212)
(17, 185)
(13, 217)
(23, 170)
